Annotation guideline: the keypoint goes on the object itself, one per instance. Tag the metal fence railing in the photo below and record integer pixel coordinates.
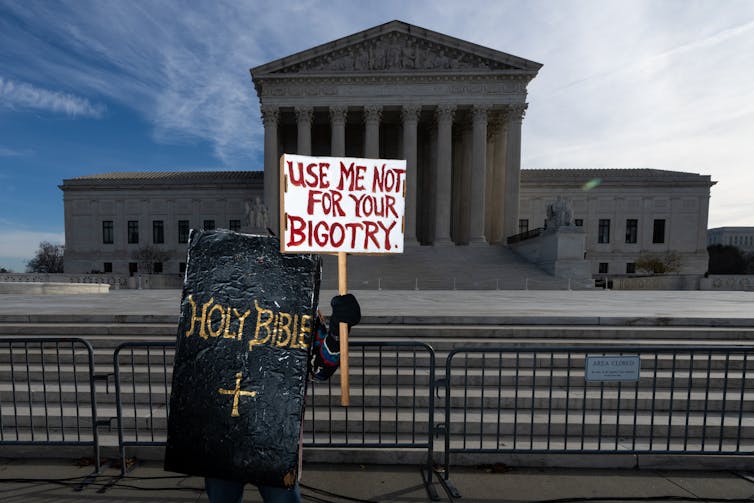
(47, 393)
(679, 400)
(392, 401)
(599, 399)
(143, 373)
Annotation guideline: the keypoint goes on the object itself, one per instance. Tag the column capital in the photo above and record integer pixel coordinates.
(515, 113)
(372, 113)
(338, 114)
(270, 115)
(304, 113)
(445, 112)
(479, 113)
(410, 113)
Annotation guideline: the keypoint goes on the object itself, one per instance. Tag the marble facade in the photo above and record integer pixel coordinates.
(452, 109)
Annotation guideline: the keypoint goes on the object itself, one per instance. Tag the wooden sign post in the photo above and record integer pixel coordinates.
(342, 205)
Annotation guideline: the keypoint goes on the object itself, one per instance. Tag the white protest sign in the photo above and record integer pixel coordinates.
(342, 204)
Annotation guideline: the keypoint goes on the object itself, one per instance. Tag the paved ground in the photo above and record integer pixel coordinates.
(532, 306)
(376, 483)
(41, 480)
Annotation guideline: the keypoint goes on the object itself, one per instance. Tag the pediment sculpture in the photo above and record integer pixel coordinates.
(395, 52)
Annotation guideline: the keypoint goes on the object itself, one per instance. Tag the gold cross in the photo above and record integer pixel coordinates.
(236, 393)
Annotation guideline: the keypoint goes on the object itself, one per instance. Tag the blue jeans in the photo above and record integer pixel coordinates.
(228, 491)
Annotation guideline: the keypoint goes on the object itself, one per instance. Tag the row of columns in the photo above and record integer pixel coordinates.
(505, 150)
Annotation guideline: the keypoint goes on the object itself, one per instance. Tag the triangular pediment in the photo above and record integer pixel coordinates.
(397, 47)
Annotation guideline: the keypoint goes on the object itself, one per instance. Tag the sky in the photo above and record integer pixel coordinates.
(99, 86)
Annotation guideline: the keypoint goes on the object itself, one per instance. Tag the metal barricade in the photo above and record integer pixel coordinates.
(47, 393)
(143, 375)
(392, 401)
(599, 400)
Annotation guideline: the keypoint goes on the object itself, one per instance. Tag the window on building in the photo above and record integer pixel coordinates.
(107, 232)
(182, 267)
(630, 268)
(632, 230)
(108, 267)
(234, 225)
(209, 225)
(133, 231)
(578, 222)
(603, 268)
(523, 225)
(133, 268)
(183, 231)
(603, 235)
(658, 232)
(157, 268)
(158, 231)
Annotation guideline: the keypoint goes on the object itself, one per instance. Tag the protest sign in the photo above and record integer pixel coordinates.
(342, 204)
(240, 371)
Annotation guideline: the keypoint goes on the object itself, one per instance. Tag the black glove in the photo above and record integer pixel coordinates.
(345, 309)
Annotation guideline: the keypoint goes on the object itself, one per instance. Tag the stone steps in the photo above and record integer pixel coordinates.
(444, 268)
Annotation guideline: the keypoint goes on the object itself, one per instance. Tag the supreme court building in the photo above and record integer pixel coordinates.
(450, 108)
(453, 110)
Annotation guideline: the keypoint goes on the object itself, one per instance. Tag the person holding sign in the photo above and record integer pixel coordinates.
(324, 359)
(342, 205)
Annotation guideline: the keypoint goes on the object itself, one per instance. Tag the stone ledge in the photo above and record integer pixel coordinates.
(38, 288)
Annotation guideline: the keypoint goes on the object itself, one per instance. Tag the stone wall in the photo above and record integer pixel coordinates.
(116, 281)
(660, 282)
(739, 282)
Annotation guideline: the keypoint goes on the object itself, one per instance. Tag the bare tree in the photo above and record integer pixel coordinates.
(48, 259)
(659, 264)
(147, 256)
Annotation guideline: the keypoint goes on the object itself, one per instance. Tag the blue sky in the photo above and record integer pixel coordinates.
(106, 85)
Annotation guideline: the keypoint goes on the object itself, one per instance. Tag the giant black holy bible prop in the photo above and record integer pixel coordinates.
(240, 374)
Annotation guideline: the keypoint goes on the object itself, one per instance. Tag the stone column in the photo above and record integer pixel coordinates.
(489, 184)
(271, 167)
(444, 116)
(304, 123)
(478, 174)
(410, 116)
(513, 120)
(338, 131)
(497, 209)
(372, 116)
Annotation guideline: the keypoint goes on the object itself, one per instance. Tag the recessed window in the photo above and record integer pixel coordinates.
(182, 267)
(107, 267)
(603, 235)
(658, 231)
(209, 225)
(603, 268)
(523, 225)
(133, 231)
(158, 231)
(578, 222)
(632, 230)
(107, 232)
(157, 267)
(133, 268)
(234, 225)
(183, 231)
(630, 268)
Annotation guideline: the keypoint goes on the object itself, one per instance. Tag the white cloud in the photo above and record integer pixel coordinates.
(10, 152)
(641, 84)
(22, 95)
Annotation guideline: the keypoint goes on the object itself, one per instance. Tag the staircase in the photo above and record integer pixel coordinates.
(445, 268)
(527, 402)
